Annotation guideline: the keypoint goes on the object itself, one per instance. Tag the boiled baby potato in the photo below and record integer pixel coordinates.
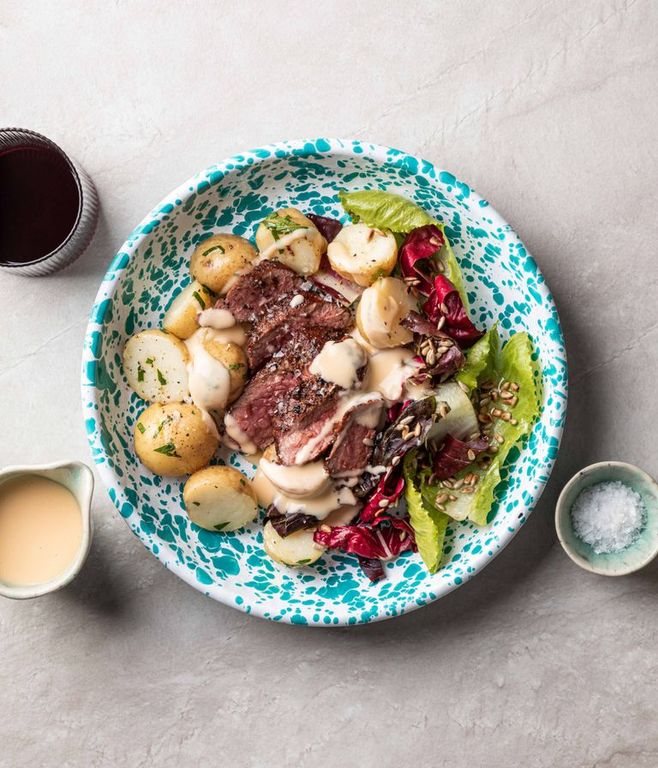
(181, 317)
(216, 260)
(232, 357)
(362, 254)
(300, 245)
(174, 439)
(296, 549)
(220, 499)
(155, 364)
(381, 309)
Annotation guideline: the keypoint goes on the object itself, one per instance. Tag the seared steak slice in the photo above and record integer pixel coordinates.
(306, 417)
(313, 417)
(255, 407)
(274, 331)
(268, 391)
(351, 452)
(257, 291)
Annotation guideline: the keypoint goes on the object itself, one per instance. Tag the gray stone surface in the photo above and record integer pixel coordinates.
(549, 109)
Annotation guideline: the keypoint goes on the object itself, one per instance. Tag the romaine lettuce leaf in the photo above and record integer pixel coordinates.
(514, 363)
(428, 523)
(386, 210)
(480, 360)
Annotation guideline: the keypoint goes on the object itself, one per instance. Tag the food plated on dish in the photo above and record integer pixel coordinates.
(341, 358)
(150, 273)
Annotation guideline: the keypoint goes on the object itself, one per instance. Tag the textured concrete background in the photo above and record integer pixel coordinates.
(550, 110)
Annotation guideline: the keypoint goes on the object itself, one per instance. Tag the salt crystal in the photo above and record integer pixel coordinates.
(608, 516)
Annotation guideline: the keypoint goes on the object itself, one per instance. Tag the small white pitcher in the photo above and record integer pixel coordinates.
(79, 479)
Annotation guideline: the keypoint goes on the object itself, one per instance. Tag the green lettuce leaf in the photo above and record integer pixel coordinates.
(386, 210)
(514, 363)
(480, 360)
(428, 523)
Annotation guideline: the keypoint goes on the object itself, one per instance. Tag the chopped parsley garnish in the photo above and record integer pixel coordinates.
(161, 378)
(242, 481)
(221, 526)
(304, 562)
(149, 360)
(219, 248)
(140, 372)
(168, 449)
(141, 427)
(197, 296)
(235, 366)
(281, 225)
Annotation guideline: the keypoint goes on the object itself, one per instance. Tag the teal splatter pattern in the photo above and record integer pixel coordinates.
(503, 284)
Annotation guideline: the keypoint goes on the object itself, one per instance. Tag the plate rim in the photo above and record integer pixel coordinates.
(116, 267)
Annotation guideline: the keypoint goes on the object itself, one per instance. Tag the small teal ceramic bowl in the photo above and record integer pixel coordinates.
(641, 552)
(504, 285)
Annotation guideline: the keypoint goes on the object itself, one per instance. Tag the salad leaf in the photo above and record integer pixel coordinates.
(480, 360)
(386, 210)
(456, 455)
(517, 365)
(383, 542)
(417, 256)
(327, 227)
(408, 431)
(389, 488)
(445, 301)
(514, 364)
(429, 523)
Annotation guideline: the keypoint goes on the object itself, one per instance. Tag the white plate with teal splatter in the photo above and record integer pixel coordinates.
(503, 282)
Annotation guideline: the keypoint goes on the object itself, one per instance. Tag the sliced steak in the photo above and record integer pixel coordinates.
(256, 292)
(352, 451)
(306, 417)
(268, 391)
(255, 407)
(273, 332)
(312, 419)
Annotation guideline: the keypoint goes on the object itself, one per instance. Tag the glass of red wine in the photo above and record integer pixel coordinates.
(48, 205)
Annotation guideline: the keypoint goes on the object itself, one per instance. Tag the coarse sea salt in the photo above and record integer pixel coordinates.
(608, 516)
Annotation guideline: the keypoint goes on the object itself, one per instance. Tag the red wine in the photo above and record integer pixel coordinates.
(39, 203)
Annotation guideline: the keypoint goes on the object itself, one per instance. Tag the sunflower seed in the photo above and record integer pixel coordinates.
(442, 498)
(417, 430)
(383, 503)
(463, 386)
(443, 308)
(406, 420)
(515, 387)
(513, 422)
(441, 323)
(458, 484)
(513, 401)
(470, 454)
(325, 528)
(467, 490)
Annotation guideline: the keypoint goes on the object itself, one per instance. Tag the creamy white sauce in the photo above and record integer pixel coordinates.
(298, 482)
(208, 379)
(216, 318)
(368, 417)
(238, 436)
(339, 361)
(388, 371)
(319, 506)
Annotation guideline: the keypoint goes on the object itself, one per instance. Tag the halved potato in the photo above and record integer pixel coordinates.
(296, 549)
(155, 364)
(174, 439)
(216, 260)
(362, 253)
(220, 499)
(181, 317)
(234, 359)
(281, 222)
(382, 307)
(299, 244)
